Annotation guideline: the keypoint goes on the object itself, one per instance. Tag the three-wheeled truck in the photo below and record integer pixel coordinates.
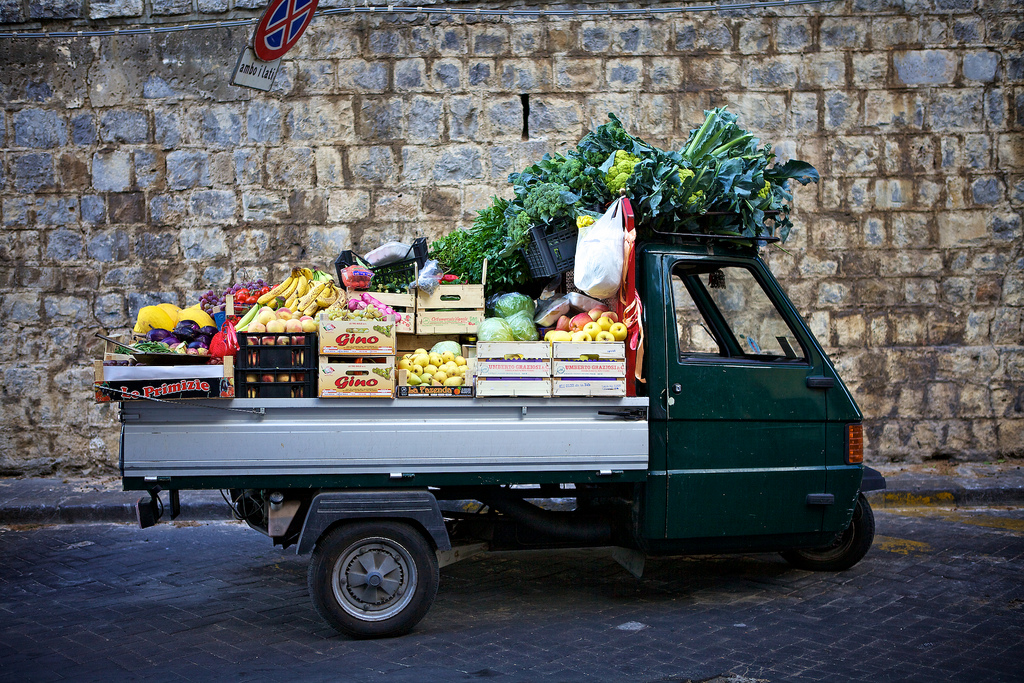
(742, 438)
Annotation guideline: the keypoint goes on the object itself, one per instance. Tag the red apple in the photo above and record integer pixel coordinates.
(284, 340)
(563, 323)
(596, 312)
(268, 341)
(579, 320)
(611, 314)
(298, 340)
(267, 378)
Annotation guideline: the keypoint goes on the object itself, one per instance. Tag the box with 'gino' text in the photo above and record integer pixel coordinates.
(357, 337)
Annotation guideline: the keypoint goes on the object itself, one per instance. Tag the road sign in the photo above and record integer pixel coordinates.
(254, 73)
(281, 26)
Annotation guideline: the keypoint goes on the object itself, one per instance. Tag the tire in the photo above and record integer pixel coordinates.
(851, 546)
(373, 579)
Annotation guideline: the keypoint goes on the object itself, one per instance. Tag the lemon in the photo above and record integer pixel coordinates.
(459, 360)
(440, 376)
(435, 359)
(421, 359)
(447, 356)
(404, 364)
(432, 369)
(417, 369)
(461, 372)
(419, 351)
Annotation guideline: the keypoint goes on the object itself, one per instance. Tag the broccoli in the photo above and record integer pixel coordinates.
(620, 171)
(765, 191)
(547, 200)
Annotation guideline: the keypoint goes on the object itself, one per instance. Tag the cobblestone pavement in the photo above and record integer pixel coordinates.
(938, 598)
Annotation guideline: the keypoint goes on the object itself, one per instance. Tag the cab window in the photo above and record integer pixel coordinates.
(723, 310)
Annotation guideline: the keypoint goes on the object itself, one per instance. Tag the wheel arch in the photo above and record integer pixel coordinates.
(331, 508)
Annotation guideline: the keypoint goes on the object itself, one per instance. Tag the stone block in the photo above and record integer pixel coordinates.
(248, 166)
(348, 206)
(968, 31)
(148, 169)
(170, 7)
(925, 67)
(842, 33)
(656, 115)
(482, 74)
(290, 167)
(111, 171)
(888, 110)
(893, 31)
(64, 245)
(792, 35)
(755, 36)
(525, 75)
(221, 126)
(452, 40)
(624, 74)
(11, 12)
(410, 75)
(870, 70)
(803, 113)
(504, 118)
(212, 206)
(67, 309)
(832, 294)
(640, 37)
(893, 194)
(761, 113)
(424, 120)
(359, 76)
(127, 207)
(321, 120)
(911, 230)
(458, 163)
(555, 117)
(595, 38)
(421, 40)
(842, 111)
(314, 77)
(324, 244)
(703, 34)
(387, 42)
(166, 127)
(418, 163)
(33, 172)
(826, 71)
(380, 119)
(981, 66)
(986, 191)
(329, 169)
(664, 73)
(501, 162)
(56, 210)
(264, 206)
(212, 6)
(263, 122)
(39, 129)
(202, 243)
(1005, 227)
(958, 228)
(463, 119)
(718, 72)
(187, 169)
(854, 155)
(489, 40)
(157, 88)
(104, 9)
(83, 129)
(156, 245)
(93, 209)
(108, 246)
(442, 203)
(372, 165)
(399, 207)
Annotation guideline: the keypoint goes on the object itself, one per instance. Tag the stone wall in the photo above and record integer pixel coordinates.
(132, 172)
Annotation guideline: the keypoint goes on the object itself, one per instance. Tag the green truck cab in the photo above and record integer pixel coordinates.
(742, 438)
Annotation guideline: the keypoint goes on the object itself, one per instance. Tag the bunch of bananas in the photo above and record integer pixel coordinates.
(305, 292)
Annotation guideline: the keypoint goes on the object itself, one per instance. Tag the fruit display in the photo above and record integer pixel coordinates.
(302, 295)
(243, 293)
(597, 324)
(431, 368)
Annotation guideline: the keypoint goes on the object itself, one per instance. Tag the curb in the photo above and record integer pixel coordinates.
(957, 496)
(117, 513)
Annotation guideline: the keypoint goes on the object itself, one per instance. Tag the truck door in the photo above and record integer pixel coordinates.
(745, 432)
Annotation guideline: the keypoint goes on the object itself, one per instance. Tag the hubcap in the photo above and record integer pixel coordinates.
(374, 579)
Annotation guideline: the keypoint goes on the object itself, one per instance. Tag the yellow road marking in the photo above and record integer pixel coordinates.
(901, 546)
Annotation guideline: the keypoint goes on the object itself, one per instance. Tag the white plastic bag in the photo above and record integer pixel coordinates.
(598, 269)
(388, 253)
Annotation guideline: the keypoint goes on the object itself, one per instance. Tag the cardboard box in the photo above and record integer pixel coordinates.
(514, 350)
(404, 305)
(489, 386)
(592, 386)
(165, 382)
(357, 337)
(343, 378)
(404, 390)
(451, 309)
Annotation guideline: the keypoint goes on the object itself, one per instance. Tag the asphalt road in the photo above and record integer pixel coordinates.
(938, 598)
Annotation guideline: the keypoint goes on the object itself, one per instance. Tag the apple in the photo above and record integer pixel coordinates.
(596, 311)
(579, 320)
(619, 331)
(293, 325)
(582, 336)
(298, 340)
(605, 336)
(268, 341)
(284, 377)
(285, 313)
(252, 377)
(284, 340)
(275, 326)
(605, 323)
(258, 328)
(563, 323)
(592, 329)
(267, 378)
(612, 315)
(308, 324)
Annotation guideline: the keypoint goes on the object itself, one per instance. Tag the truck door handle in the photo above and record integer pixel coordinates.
(820, 382)
(677, 388)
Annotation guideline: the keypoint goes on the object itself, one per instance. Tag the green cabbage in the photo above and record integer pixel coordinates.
(512, 303)
(494, 330)
(522, 326)
(447, 345)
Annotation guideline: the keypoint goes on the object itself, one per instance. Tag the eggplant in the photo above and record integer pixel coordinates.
(186, 330)
(208, 330)
(202, 339)
(171, 341)
(197, 345)
(157, 334)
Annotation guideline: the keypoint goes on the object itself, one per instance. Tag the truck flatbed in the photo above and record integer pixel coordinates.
(421, 442)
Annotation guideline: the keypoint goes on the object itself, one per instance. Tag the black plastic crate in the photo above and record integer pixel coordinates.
(276, 370)
(400, 271)
(549, 255)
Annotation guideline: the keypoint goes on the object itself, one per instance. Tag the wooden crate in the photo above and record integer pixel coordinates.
(589, 359)
(491, 386)
(593, 386)
(451, 309)
(404, 305)
(357, 337)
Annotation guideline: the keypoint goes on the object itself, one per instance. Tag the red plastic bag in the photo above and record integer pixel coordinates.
(225, 342)
(356, 277)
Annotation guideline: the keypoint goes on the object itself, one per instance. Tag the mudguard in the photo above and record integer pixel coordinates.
(334, 506)
(872, 480)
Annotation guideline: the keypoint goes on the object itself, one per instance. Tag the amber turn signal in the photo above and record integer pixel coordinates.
(854, 444)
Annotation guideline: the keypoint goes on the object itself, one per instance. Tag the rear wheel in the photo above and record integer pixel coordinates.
(846, 551)
(373, 579)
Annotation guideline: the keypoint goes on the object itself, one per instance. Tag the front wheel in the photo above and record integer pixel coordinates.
(852, 545)
(373, 579)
